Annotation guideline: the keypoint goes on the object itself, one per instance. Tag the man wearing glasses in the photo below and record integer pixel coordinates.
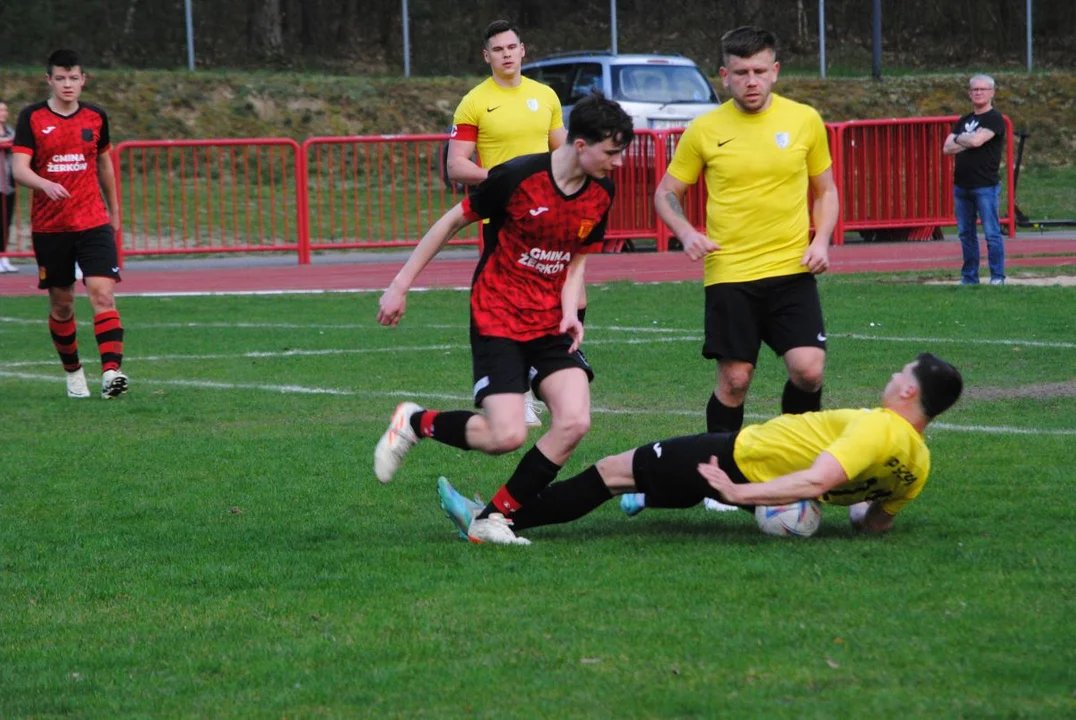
(976, 141)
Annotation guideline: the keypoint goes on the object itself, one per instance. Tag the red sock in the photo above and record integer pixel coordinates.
(63, 337)
(109, 332)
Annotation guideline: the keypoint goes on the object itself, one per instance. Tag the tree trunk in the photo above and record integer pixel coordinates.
(268, 31)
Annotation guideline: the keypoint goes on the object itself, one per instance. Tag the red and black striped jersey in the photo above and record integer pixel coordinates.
(64, 149)
(533, 233)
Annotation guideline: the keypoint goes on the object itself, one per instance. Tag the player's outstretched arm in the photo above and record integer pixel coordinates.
(869, 517)
(393, 301)
(824, 474)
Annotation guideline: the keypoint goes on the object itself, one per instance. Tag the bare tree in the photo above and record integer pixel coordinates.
(267, 31)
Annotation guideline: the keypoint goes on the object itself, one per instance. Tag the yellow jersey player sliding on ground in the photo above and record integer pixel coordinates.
(874, 461)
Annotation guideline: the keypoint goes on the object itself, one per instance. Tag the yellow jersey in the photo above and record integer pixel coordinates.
(507, 122)
(756, 167)
(884, 457)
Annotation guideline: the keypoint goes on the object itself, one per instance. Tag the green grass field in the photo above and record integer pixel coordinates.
(215, 544)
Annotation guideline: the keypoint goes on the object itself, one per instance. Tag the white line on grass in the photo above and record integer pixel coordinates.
(678, 334)
(303, 390)
(327, 352)
(336, 326)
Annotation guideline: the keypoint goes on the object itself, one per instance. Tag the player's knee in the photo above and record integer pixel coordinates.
(62, 310)
(507, 439)
(573, 428)
(102, 300)
(808, 379)
(616, 471)
(734, 385)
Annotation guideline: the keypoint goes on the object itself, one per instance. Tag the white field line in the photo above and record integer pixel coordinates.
(457, 397)
(680, 334)
(335, 326)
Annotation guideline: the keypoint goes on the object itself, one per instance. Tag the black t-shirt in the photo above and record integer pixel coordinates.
(978, 167)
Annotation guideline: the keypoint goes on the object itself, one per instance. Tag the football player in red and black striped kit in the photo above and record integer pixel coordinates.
(62, 152)
(546, 212)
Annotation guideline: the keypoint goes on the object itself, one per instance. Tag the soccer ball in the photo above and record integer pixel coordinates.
(798, 519)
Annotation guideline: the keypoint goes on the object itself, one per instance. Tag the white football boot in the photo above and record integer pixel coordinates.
(496, 529)
(76, 384)
(113, 384)
(397, 440)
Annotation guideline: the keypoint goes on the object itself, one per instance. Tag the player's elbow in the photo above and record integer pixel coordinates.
(454, 169)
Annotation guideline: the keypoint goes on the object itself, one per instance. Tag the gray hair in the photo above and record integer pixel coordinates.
(987, 78)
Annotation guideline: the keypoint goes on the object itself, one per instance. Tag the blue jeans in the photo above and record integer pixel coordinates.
(984, 203)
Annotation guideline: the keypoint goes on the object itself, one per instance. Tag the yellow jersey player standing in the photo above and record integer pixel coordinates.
(759, 154)
(503, 117)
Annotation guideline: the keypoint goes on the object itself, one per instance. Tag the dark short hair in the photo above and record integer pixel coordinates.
(497, 27)
(596, 118)
(940, 384)
(746, 41)
(65, 59)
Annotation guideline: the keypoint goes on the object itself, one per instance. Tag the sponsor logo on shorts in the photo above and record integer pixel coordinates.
(657, 449)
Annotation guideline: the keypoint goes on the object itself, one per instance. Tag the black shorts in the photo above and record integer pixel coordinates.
(667, 471)
(56, 253)
(784, 312)
(502, 365)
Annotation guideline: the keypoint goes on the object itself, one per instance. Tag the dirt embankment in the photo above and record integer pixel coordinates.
(180, 105)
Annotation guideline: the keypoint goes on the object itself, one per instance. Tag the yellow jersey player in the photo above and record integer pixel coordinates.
(873, 461)
(759, 154)
(506, 115)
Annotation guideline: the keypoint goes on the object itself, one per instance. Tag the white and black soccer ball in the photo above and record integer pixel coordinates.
(798, 519)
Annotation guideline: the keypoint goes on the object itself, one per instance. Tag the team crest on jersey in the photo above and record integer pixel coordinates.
(782, 140)
(585, 227)
(532, 104)
(87, 135)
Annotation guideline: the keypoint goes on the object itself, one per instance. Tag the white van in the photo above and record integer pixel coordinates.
(658, 91)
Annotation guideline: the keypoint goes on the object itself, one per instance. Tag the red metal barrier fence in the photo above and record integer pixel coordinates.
(893, 176)
(251, 195)
(209, 196)
(375, 191)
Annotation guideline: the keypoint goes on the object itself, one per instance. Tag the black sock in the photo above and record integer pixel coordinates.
(795, 401)
(582, 315)
(533, 474)
(564, 501)
(721, 417)
(449, 427)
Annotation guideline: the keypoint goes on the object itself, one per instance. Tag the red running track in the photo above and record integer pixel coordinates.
(368, 273)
